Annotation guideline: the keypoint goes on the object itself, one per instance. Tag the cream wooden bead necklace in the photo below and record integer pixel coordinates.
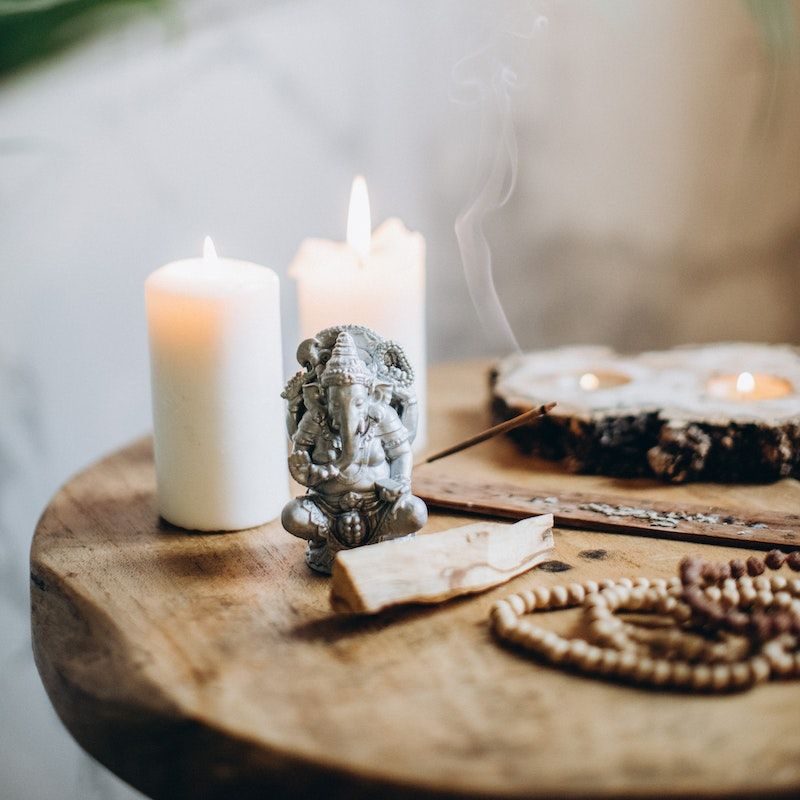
(723, 626)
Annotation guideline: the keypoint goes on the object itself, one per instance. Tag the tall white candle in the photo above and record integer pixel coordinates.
(216, 373)
(374, 279)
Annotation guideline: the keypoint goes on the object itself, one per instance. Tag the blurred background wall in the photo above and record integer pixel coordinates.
(657, 201)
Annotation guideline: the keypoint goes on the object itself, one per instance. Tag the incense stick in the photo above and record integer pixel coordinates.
(495, 430)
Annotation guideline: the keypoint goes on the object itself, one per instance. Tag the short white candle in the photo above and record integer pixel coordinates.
(216, 373)
(374, 279)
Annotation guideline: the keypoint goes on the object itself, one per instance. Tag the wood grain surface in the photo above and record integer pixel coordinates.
(210, 665)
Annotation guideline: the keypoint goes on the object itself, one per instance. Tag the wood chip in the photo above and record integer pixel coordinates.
(431, 568)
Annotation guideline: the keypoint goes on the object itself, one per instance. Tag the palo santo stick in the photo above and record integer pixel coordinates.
(434, 567)
(490, 433)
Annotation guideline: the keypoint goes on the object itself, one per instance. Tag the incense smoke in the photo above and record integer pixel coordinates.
(490, 76)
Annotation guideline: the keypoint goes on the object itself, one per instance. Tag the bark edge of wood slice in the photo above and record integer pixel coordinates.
(656, 414)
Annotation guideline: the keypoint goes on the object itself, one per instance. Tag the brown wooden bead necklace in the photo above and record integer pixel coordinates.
(723, 626)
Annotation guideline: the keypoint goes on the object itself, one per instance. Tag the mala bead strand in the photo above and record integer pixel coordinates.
(696, 574)
(754, 617)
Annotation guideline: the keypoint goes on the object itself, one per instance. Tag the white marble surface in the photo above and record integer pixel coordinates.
(652, 208)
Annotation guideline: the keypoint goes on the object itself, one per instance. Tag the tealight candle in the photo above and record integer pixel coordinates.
(748, 386)
(374, 279)
(216, 369)
(602, 379)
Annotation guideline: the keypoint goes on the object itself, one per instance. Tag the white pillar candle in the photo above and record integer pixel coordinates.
(216, 372)
(377, 280)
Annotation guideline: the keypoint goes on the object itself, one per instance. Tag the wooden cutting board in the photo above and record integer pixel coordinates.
(210, 666)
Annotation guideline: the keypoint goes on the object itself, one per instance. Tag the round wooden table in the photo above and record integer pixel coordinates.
(210, 665)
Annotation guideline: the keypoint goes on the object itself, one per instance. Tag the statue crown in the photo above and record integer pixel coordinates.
(345, 366)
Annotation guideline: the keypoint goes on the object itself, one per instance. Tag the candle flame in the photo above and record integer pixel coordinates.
(209, 251)
(589, 382)
(359, 224)
(745, 383)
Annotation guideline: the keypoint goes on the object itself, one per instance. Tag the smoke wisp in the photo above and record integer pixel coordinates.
(489, 78)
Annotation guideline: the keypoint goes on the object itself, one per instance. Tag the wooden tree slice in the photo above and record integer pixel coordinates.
(675, 415)
(210, 666)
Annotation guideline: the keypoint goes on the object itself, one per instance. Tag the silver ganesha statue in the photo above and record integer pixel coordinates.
(352, 417)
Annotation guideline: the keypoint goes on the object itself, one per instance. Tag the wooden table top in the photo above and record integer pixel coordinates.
(210, 666)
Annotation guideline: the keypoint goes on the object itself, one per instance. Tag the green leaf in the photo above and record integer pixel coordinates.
(32, 30)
